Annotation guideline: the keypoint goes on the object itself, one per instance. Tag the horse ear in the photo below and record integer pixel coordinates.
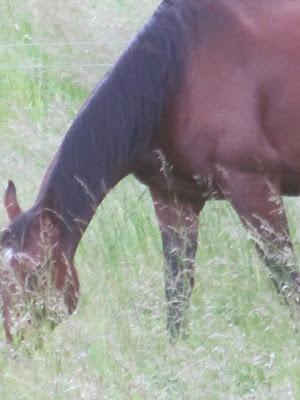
(51, 205)
(10, 201)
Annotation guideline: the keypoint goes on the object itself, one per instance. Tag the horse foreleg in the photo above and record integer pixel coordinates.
(257, 200)
(178, 223)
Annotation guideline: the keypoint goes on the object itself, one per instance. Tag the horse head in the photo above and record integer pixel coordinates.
(38, 281)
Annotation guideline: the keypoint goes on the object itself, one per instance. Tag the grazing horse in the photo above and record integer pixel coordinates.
(204, 104)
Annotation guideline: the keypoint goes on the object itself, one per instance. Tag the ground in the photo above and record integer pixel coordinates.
(242, 342)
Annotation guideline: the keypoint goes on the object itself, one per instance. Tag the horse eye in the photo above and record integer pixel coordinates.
(5, 238)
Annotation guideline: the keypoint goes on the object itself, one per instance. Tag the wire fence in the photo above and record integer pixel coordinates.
(50, 66)
(47, 44)
(8, 46)
(5, 46)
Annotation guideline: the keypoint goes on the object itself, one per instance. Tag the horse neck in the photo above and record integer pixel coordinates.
(117, 123)
(89, 162)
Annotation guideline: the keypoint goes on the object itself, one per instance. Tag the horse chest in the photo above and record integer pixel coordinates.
(157, 172)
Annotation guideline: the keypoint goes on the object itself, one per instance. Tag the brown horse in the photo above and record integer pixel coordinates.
(205, 103)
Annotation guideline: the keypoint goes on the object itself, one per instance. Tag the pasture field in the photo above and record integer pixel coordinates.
(242, 342)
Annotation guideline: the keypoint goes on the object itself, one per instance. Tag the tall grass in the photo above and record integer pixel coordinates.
(242, 343)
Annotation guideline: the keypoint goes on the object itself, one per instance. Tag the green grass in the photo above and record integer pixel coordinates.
(242, 344)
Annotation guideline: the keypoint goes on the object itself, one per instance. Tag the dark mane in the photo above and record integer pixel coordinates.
(121, 116)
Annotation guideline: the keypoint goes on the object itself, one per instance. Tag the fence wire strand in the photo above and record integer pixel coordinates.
(47, 44)
(49, 66)
(8, 46)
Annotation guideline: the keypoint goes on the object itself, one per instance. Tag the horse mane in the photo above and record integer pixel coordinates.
(122, 114)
